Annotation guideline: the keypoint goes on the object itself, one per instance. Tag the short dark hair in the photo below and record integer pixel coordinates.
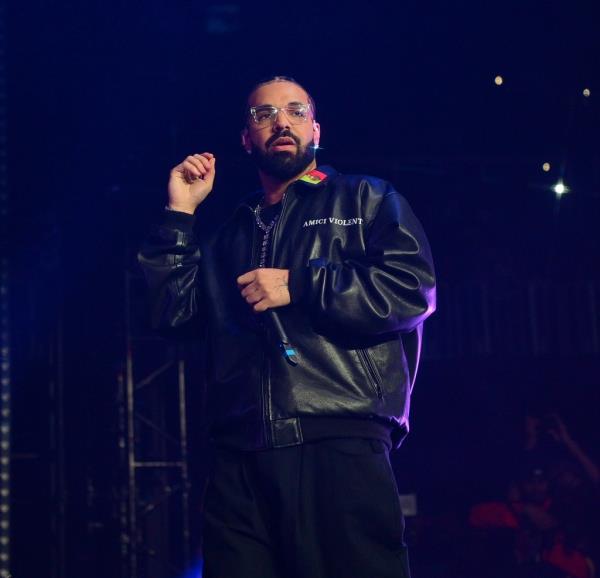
(271, 79)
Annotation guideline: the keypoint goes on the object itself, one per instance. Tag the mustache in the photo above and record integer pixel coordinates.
(283, 133)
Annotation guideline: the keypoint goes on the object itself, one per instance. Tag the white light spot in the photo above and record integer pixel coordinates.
(560, 188)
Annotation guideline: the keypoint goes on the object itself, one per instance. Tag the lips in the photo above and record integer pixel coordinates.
(284, 141)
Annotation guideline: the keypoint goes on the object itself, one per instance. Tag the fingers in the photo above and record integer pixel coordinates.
(261, 301)
(249, 290)
(206, 162)
(246, 278)
(252, 291)
(256, 297)
(198, 166)
(253, 294)
(261, 306)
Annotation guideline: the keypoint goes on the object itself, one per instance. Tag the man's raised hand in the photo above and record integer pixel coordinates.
(191, 181)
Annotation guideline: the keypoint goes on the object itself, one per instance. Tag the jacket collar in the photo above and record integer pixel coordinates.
(317, 176)
(311, 180)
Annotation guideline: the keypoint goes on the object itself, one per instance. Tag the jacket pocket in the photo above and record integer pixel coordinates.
(370, 370)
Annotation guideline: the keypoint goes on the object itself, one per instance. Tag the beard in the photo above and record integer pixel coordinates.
(284, 165)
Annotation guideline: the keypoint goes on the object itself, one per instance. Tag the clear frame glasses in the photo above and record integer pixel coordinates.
(265, 115)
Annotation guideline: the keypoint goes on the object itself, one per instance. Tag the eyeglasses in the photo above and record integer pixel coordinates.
(266, 115)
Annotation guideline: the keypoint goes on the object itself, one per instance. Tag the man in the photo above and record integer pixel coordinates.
(313, 295)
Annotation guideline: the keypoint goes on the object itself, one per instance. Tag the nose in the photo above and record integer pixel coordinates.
(281, 121)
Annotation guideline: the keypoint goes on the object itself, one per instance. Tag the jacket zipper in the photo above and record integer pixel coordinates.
(264, 385)
(263, 357)
(371, 371)
(266, 371)
(276, 229)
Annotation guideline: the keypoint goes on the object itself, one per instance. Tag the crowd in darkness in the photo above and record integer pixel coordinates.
(546, 526)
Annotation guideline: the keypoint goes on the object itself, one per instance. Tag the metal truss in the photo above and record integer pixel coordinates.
(154, 507)
(5, 351)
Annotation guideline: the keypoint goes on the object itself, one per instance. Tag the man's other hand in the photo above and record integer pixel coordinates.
(265, 288)
(191, 181)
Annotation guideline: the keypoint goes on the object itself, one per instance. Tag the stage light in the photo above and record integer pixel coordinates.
(195, 572)
(560, 188)
(499, 80)
(587, 92)
(546, 167)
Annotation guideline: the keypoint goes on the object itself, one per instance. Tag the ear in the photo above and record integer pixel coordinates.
(316, 132)
(246, 141)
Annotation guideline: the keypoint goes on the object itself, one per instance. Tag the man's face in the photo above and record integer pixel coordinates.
(284, 147)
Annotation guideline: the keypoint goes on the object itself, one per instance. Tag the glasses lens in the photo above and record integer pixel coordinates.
(297, 113)
(263, 114)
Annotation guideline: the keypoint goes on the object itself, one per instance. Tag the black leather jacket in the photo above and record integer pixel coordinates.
(361, 283)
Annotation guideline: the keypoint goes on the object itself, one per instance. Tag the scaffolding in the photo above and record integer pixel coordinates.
(5, 351)
(154, 505)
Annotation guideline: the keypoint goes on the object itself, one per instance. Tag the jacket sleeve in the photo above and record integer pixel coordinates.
(170, 260)
(390, 289)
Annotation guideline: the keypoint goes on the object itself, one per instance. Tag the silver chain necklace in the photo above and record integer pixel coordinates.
(266, 229)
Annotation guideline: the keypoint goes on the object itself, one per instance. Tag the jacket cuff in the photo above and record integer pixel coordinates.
(180, 221)
(297, 284)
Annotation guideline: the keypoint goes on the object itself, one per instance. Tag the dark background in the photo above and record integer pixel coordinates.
(105, 97)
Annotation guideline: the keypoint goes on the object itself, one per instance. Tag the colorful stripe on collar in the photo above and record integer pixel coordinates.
(314, 177)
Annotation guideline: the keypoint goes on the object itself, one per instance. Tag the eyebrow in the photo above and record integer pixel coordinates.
(288, 104)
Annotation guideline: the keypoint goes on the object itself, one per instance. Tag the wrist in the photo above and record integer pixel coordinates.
(181, 208)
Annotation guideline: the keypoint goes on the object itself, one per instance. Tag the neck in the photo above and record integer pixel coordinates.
(274, 188)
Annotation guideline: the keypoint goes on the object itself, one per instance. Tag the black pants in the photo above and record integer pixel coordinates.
(326, 509)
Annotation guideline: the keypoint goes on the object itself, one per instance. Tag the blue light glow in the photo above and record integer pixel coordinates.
(195, 571)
